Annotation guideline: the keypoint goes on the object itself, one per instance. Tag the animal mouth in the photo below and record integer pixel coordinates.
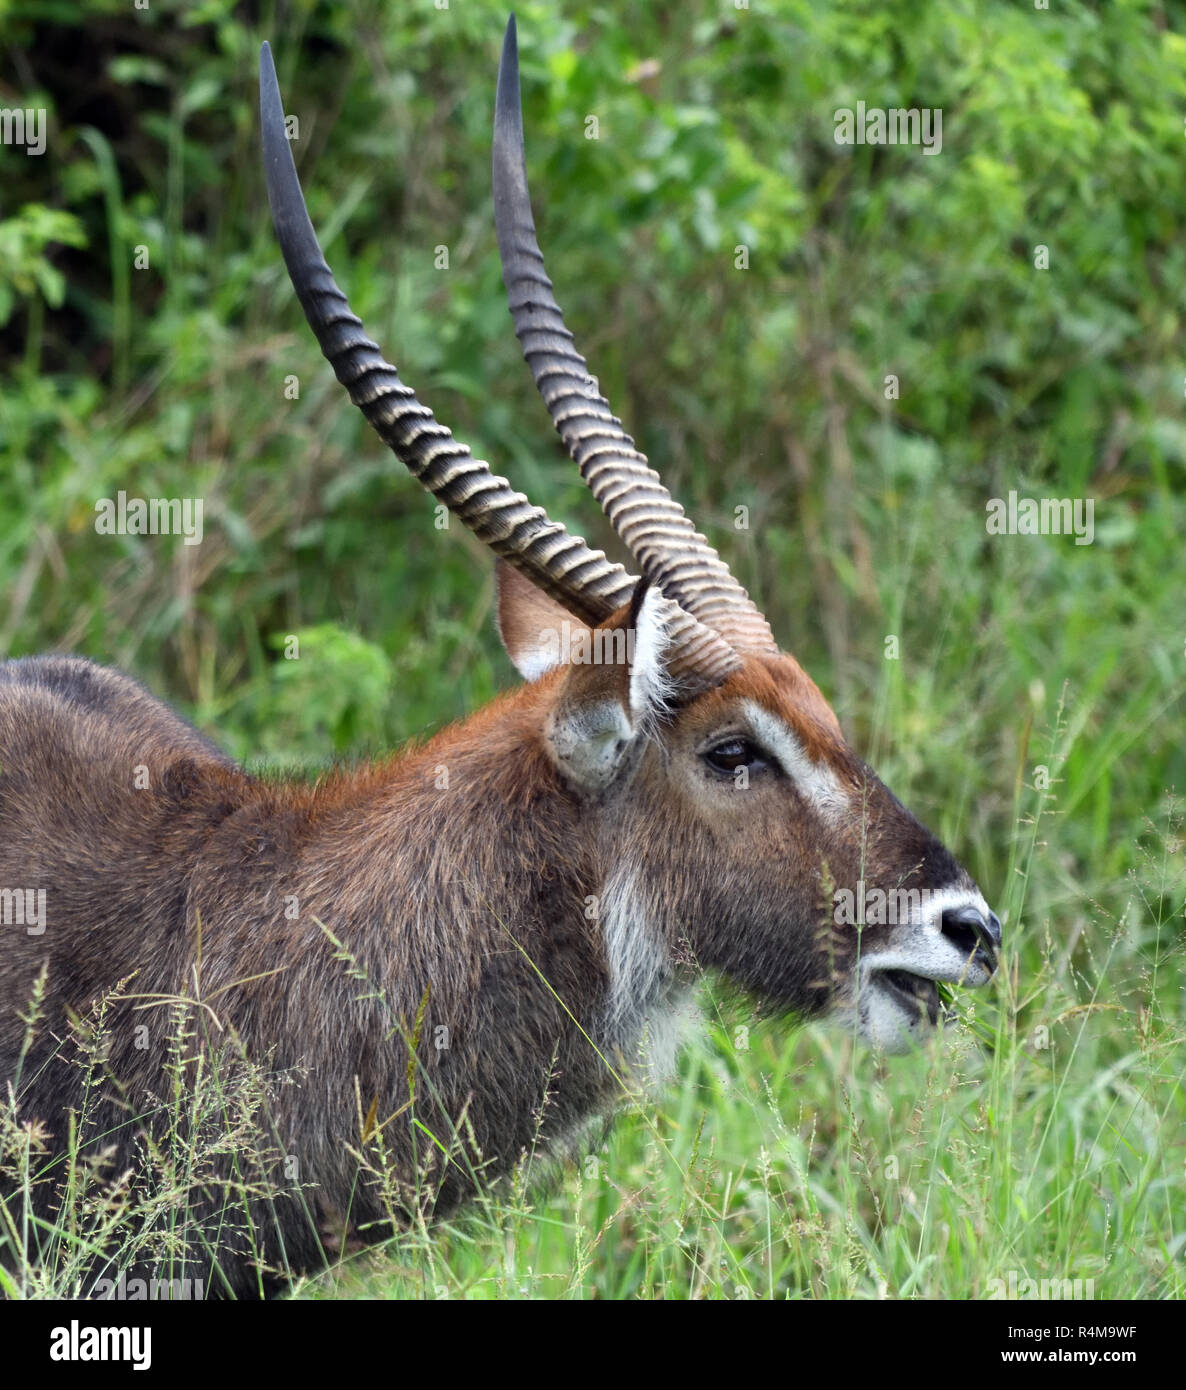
(916, 992)
(906, 988)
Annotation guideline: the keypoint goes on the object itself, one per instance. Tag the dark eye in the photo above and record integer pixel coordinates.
(732, 753)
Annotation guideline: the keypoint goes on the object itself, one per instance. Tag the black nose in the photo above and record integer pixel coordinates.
(976, 936)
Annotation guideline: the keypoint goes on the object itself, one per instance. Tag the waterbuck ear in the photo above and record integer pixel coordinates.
(536, 631)
(615, 683)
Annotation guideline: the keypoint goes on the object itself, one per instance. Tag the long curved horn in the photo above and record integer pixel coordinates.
(560, 564)
(643, 513)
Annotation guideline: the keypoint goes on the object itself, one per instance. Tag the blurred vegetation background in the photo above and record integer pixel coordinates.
(761, 388)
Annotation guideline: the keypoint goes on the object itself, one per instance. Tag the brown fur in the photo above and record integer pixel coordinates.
(464, 901)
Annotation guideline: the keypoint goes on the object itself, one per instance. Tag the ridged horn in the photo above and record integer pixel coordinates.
(562, 565)
(650, 522)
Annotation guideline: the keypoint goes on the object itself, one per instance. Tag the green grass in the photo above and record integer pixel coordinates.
(1044, 1135)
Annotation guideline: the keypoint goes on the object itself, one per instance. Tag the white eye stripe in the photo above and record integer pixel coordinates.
(816, 781)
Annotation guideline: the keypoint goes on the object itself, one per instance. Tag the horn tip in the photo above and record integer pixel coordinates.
(508, 69)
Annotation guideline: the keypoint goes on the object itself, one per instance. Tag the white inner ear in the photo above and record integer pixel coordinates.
(537, 632)
(591, 739)
(543, 642)
(535, 661)
(650, 685)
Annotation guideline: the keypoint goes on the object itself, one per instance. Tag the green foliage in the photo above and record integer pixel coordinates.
(26, 268)
(762, 388)
(334, 691)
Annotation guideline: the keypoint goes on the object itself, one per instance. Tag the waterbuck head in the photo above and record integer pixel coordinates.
(705, 771)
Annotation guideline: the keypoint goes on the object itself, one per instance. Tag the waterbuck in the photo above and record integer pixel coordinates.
(443, 959)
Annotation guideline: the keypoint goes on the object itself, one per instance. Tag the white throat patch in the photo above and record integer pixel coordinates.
(648, 1014)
